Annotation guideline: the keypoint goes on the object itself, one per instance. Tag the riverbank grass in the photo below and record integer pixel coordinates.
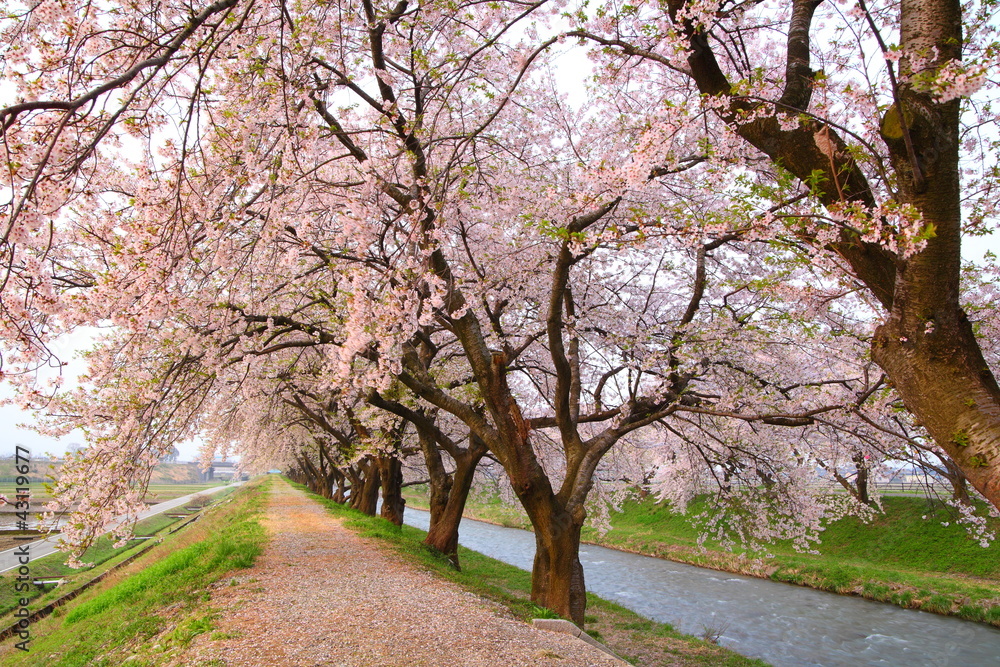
(633, 637)
(153, 607)
(102, 554)
(915, 555)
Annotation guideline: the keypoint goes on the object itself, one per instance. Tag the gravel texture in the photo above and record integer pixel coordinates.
(320, 595)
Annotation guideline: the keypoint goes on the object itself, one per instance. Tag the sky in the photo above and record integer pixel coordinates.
(15, 430)
(15, 423)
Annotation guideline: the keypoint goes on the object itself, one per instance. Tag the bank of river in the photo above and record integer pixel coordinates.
(788, 626)
(913, 554)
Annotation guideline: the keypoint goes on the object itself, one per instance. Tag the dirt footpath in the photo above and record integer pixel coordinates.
(320, 595)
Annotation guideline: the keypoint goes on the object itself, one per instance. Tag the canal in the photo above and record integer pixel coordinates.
(788, 626)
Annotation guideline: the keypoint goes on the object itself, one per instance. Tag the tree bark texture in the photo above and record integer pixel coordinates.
(557, 581)
(449, 493)
(390, 472)
(364, 490)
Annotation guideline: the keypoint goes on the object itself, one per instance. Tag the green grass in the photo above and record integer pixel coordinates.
(154, 524)
(899, 557)
(111, 622)
(902, 538)
(102, 553)
(637, 639)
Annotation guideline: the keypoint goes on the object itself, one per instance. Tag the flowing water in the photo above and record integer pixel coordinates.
(788, 626)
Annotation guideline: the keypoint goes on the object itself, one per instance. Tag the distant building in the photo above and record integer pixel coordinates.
(222, 470)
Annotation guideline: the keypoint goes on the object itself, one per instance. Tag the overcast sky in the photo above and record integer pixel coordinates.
(15, 424)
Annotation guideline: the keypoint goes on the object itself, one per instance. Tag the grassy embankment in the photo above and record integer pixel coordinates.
(158, 493)
(637, 639)
(153, 607)
(102, 554)
(900, 557)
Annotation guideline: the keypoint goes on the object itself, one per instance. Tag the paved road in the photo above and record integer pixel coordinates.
(40, 548)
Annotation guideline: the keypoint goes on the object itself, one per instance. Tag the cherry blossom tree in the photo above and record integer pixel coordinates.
(401, 193)
(893, 159)
(133, 409)
(449, 491)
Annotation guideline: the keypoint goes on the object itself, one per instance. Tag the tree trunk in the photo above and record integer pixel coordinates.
(442, 534)
(441, 484)
(926, 347)
(946, 383)
(449, 493)
(368, 496)
(390, 473)
(353, 498)
(340, 495)
(313, 478)
(364, 489)
(556, 575)
(861, 479)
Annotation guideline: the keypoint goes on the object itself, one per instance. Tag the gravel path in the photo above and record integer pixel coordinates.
(320, 595)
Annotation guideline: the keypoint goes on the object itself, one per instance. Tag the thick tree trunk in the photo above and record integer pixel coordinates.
(365, 487)
(439, 480)
(448, 492)
(390, 473)
(340, 495)
(313, 478)
(926, 347)
(944, 381)
(355, 488)
(442, 534)
(861, 480)
(368, 497)
(556, 575)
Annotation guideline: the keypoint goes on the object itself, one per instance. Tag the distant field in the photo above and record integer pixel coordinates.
(161, 492)
(157, 491)
(42, 469)
(38, 493)
(102, 554)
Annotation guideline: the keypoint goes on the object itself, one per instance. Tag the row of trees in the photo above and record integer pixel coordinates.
(328, 235)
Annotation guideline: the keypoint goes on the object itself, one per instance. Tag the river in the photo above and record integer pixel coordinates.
(786, 625)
